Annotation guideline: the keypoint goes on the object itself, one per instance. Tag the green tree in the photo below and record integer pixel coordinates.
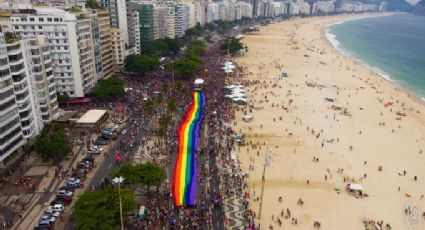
(232, 45)
(141, 63)
(129, 172)
(109, 88)
(185, 67)
(152, 174)
(100, 209)
(172, 105)
(52, 144)
(149, 106)
(93, 4)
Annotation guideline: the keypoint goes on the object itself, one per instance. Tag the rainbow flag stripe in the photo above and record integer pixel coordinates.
(185, 169)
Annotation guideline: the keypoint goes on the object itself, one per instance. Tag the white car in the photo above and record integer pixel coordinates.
(95, 149)
(53, 213)
(64, 192)
(73, 179)
(56, 208)
(124, 131)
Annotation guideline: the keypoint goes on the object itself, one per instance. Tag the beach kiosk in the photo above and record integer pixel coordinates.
(199, 84)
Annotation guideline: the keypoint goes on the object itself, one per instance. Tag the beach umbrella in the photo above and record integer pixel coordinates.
(229, 86)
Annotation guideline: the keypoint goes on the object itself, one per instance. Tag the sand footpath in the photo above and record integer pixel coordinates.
(329, 123)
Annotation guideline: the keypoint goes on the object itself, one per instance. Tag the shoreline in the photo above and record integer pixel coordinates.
(334, 43)
(291, 117)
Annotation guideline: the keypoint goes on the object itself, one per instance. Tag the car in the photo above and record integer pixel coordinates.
(48, 217)
(53, 213)
(106, 136)
(89, 159)
(43, 224)
(67, 188)
(95, 149)
(73, 184)
(124, 131)
(101, 141)
(85, 165)
(73, 180)
(66, 199)
(56, 202)
(64, 192)
(57, 208)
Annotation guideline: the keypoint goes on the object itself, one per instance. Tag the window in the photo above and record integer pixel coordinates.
(40, 27)
(41, 19)
(49, 19)
(63, 34)
(56, 19)
(56, 34)
(32, 27)
(16, 27)
(65, 47)
(31, 19)
(23, 19)
(57, 41)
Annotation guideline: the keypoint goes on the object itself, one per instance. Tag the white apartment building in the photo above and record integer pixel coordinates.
(181, 19)
(19, 64)
(245, 9)
(61, 29)
(213, 12)
(42, 79)
(305, 8)
(325, 6)
(133, 31)
(294, 8)
(200, 13)
(11, 137)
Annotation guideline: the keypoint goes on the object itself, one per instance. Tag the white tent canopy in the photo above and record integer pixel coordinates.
(91, 117)
(199, 81)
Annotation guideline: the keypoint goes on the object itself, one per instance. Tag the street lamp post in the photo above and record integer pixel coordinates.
(119, 180)
(269, 157)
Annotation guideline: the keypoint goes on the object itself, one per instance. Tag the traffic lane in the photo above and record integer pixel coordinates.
(109, 163)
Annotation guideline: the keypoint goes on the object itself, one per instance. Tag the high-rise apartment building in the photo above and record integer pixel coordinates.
(118, 15)
(106, 43)
(11, 136)
(118, 48)
(42, 79)
(61, 29)
(133, 31)
(147, 21)
(181, 19)
(24, 95)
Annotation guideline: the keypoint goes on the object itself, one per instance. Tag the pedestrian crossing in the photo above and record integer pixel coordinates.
(17, 203)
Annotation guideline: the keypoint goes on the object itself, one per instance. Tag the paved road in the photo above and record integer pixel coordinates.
(109, 165)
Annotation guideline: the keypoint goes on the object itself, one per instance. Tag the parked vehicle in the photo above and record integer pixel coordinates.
(101, 141)
(53, 213)
(67, 188)
(89, 159)
(48, 217)
(64, 192)
(43, 225)
(56, 208)
(124, 131)
(85, 165)
(56, 202)
(65, 198)
(95, 150)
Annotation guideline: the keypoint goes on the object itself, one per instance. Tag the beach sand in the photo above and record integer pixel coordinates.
(300, 48)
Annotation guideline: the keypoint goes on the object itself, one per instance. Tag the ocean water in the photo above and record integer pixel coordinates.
(393, 46)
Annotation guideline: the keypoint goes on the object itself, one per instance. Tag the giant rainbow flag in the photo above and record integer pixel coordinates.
(185, 169)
